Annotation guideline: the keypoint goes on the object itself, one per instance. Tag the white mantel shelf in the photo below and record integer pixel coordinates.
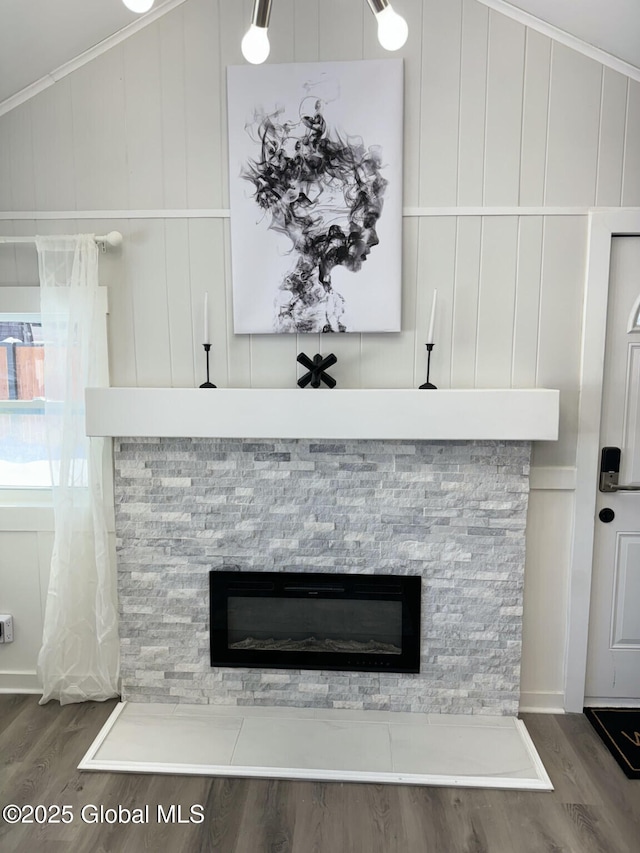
(501, 414)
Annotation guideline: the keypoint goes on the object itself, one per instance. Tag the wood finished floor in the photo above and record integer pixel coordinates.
(594, 808)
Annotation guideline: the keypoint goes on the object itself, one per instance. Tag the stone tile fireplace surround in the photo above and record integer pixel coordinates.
(367, 481)
(452, 512)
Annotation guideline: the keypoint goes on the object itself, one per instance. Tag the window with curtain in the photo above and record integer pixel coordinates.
(52, 346)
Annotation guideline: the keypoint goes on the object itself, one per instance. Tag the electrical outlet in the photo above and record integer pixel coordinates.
(6, 629)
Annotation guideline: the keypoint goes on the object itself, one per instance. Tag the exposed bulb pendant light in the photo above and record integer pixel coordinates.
(392, 28)
(138, 6)
(255, 44)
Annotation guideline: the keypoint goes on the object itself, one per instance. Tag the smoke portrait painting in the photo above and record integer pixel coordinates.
(315, 165)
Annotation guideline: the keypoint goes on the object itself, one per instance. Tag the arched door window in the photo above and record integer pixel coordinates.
(634, 317)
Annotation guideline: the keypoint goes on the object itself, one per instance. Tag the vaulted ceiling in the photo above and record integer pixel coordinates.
(611, 25)
(37, 37)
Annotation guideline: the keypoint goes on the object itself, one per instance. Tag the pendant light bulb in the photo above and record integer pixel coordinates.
(138, 6)
(255, 45)
(392, 29)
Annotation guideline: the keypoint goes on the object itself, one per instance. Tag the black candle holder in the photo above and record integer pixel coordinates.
(207, 384)
(428, 384)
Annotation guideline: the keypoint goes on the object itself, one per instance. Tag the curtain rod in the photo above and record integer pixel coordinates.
(113, 238)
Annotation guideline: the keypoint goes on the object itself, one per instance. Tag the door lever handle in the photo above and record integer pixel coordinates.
(609, 483)
(610, 470)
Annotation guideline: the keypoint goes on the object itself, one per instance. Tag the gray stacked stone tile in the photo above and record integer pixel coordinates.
(452, 512)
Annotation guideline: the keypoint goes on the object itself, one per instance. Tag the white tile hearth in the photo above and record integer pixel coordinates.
(318, 744)
(327, 745)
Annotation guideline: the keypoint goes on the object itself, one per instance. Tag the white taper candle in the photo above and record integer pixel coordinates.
(206, 319)
(433, 318)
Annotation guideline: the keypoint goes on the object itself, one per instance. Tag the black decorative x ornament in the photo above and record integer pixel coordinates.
(316, 369)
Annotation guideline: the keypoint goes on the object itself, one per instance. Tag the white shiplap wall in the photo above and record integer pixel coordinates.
(496, 116)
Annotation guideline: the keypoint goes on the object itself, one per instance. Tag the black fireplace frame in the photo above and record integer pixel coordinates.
(403, 588)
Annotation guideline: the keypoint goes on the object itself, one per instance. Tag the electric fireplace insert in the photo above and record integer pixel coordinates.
(300, 620)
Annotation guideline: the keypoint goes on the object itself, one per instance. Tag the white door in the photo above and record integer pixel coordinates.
(613, 662)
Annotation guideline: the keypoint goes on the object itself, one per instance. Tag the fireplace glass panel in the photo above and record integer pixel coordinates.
(312, 625)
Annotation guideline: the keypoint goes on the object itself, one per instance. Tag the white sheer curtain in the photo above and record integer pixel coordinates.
(79, 658)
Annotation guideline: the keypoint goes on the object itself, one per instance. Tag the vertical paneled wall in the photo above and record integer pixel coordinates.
(25, 555)
(496, 115)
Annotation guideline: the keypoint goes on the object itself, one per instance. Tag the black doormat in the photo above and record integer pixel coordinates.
(619, 729)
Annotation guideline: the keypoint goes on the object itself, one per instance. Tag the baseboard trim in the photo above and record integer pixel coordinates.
(542, 702)
(20, 682)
